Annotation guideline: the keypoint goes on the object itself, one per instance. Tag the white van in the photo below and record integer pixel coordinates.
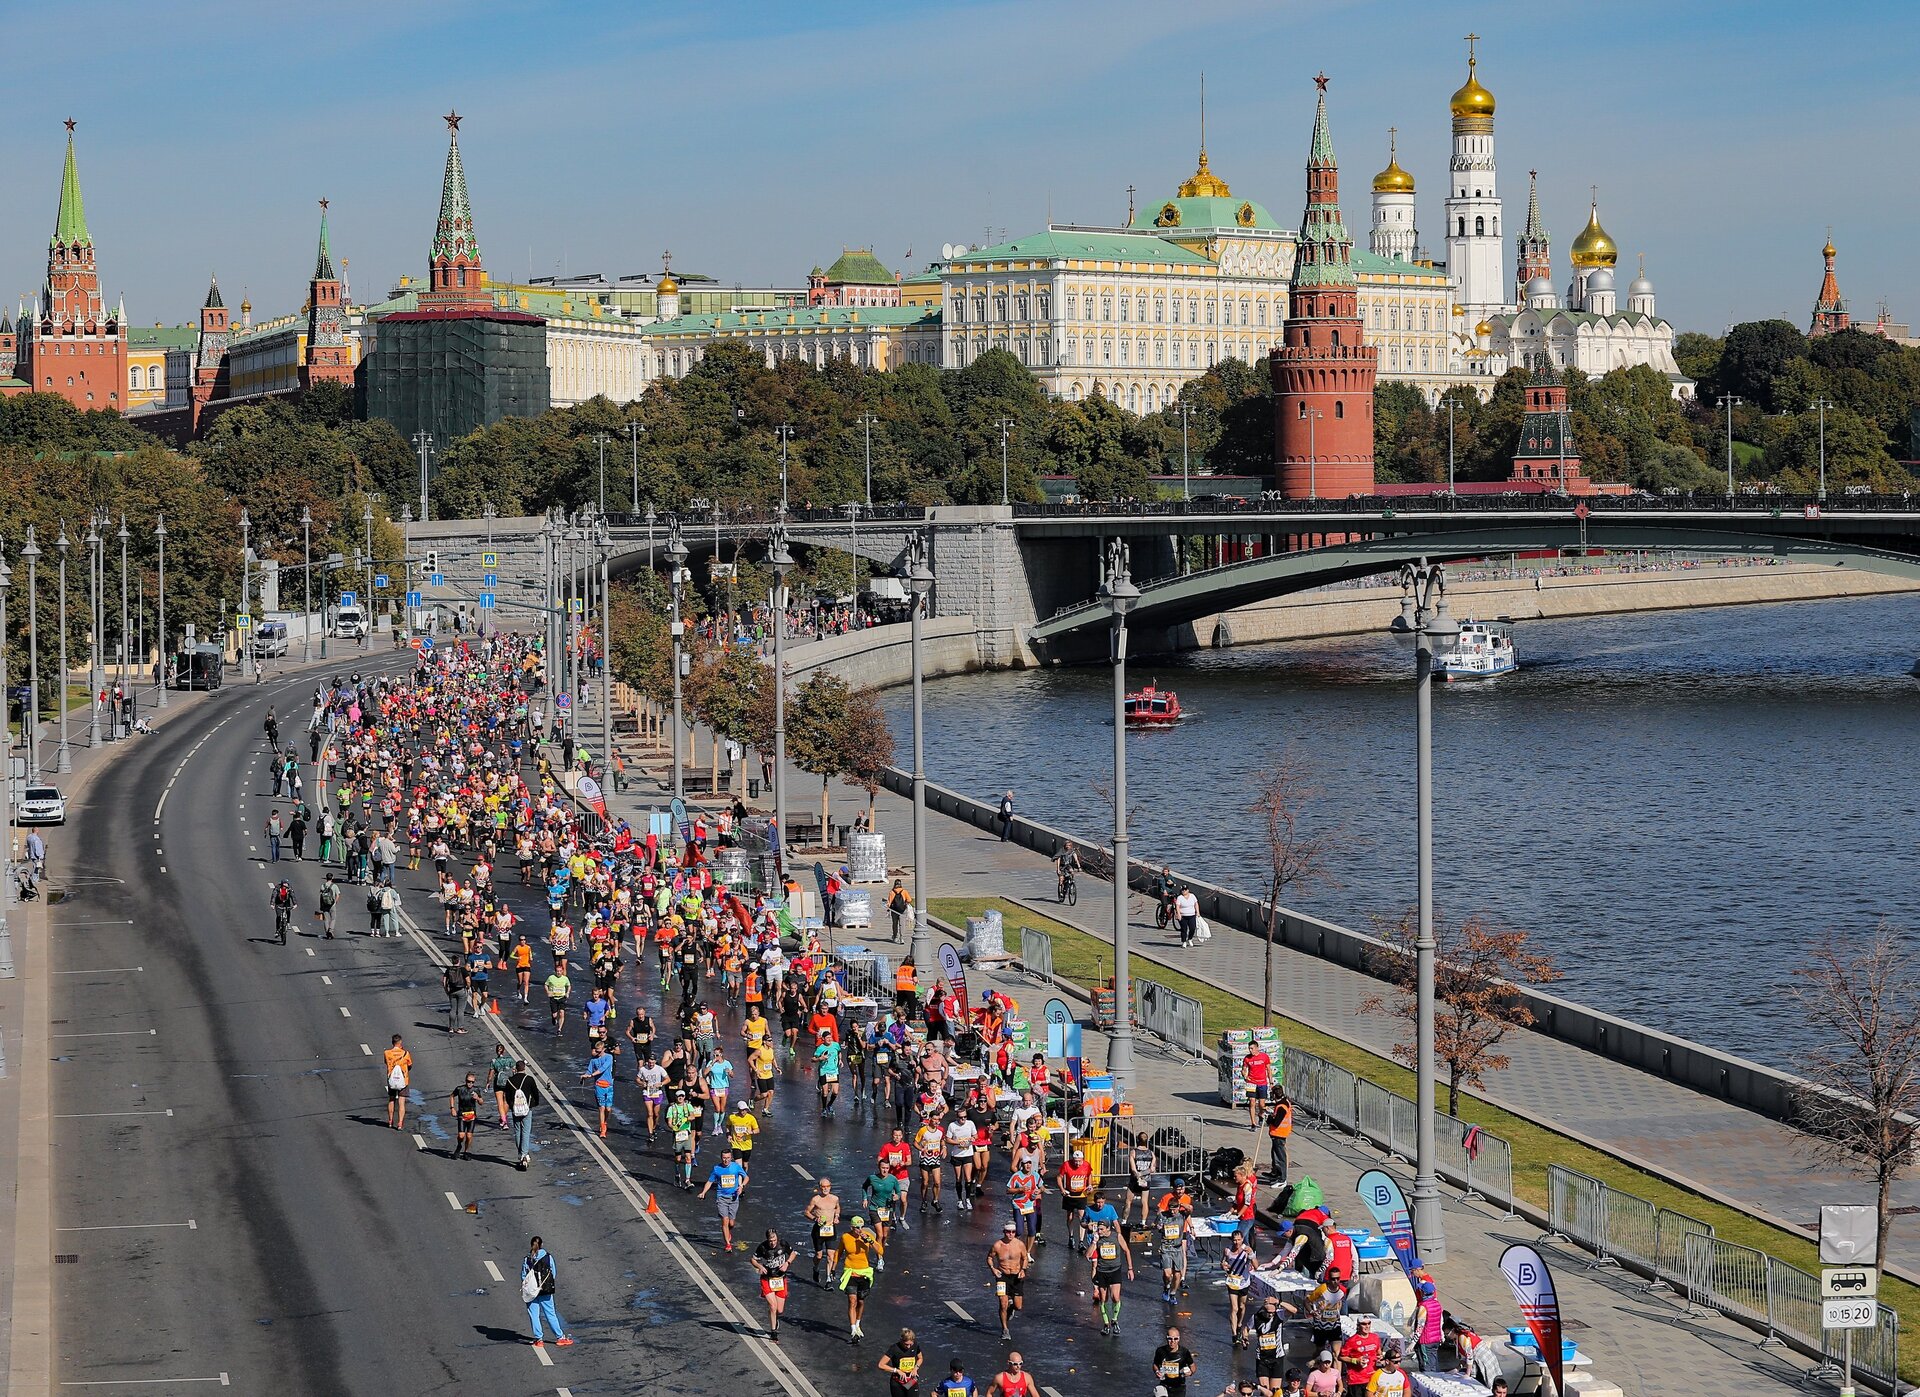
(270, 639)
(350, 622)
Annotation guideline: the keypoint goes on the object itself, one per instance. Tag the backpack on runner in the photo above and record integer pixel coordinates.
(539, 1279)
(397, 1077)
(521, 1106)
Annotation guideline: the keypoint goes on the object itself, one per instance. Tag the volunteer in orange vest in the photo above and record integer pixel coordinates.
(1279, 1131)
(905, 993)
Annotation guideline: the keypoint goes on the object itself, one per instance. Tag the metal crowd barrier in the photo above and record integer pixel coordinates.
(1170, 1016)
(1179, 1144)
(1036, 954)
(1618, 1226)
(869, 974)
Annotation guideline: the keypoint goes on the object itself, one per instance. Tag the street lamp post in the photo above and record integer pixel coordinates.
(1728, 403)
(634, 429)
(30, 713)
(126, 653)
(677, 562)
(366, 519)
(1424, 618)
(306, 572)
(1120, 596)
(160, 666)
(785, 433)
(1186, 473)
(920, 582)
(422, 443)
(606, 646)
(1005, 424)
(63, 758)
(246, 591)
(867, 420)
(1313, 454)
(1823, 404)
(600, 440)
(782, 562)
(6, 778)
(95, 630)
(1450, 447)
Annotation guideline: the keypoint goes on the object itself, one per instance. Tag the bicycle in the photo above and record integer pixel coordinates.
(1066, 889)
(282, 917)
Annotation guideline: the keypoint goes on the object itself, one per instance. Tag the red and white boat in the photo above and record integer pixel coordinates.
(1152, 708)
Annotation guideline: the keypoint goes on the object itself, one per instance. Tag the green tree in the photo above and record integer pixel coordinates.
(836, 731)
(1757, 353)
(1856, 453)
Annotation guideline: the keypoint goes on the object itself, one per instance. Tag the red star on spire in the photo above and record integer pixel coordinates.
(70, 125)
(453, 121)
(323, 205)
(1320, 82)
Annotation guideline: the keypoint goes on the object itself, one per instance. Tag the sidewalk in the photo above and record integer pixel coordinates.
(1638, 1341)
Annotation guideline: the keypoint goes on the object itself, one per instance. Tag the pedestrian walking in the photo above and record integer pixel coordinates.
(325, 828)
(1006, 816)
(539, 1277)
(463, 1103)
(523, 1096)
(329, 900)
(399, 1066)
(275, 828)
(454, 981)
(297, 834)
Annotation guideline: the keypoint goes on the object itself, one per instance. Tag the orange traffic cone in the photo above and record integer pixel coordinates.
(493, 1005)
(653, 1203)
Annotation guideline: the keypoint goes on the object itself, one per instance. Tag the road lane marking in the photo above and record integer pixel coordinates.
(541, 1354)
(189, 1224)
(116, 1033)
(803, 1172)
(345, 1012)
(494, 1271)
(103, 970)
(455, 1201)
(310, 952)
(96, 1115)
(420, 1141)
(221, 1378)
(954, 1305)
(324, 979)
(365, 1051)
(111, 921)
(158, 807)
(1050, 1391)
(562, 1392)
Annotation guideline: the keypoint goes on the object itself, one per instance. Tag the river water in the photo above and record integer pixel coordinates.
(1675, 804)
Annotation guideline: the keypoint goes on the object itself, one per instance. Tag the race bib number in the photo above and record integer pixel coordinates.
(1269, 1342)
(1024, 1207)
(777, 1285)
(683, 1139)
(1108, 1251)
(999, 1287)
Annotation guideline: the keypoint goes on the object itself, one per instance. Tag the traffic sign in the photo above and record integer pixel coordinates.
(413, 599)
(348, 598)
(576, 605)
(1849, 1314)
(415, 642)
(563, 702)
(490, 579)
(489, 561)
(486, 601)
(439, 579)
(380, 580)
(243, 620)
(1849, 1282)
(426, 642)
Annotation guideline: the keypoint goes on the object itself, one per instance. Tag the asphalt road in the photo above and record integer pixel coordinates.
(232, 1205)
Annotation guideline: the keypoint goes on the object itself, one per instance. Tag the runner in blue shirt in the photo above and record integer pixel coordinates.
(719, 1075)
(731, 1177)
(600, 1073)
(1100, 1211)
(827, 1055)
(956, 1383)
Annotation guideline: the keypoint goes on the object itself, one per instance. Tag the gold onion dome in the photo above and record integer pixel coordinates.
(1593, 248)
(1483, 329)
(666, 286)
(1472, 99)
(1827, 251)
(1393, 179)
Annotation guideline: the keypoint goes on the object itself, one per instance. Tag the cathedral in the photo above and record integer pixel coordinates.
(1516, 319)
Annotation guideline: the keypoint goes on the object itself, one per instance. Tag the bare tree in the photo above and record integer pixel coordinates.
(1478, 968)
(1099, 862)
(1296, 856)
(1864, 1095)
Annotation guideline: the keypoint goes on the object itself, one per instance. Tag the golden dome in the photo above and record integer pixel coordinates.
(1593, 248)
(1483, 329)
(1827, 251)
(1472, 99)
(1205, 184)
(667, 286)
(1393, 179)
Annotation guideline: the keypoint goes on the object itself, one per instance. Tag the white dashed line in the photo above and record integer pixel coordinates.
(117, 1033)
(326, 979)
(365, 1050)
(189, 1224)
(494, 1271)
(955, 1307)
(310, 951)
(541, 1354)
(345, 1012)
(455, 1202)
(803, 1172)
(107, 970)
(420, 1141)
(96, 1115)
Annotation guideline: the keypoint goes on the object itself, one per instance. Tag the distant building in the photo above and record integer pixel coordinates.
(148, 348)
(855, 279)
(1829, 307)
(1545, 453)
(69, 343)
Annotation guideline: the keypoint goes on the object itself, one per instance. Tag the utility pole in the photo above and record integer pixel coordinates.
(63, 756)
(160, 544)
(1823, 404)
(785, 433)
(246, 592)
(30, 714)
(867, 420)
(1727, 404)
(1449, 447)
(1005, 424)
(1313, 454)
(1186, 472)
(634, 429)
(423, 443)
(600, 440)
(1120, 596)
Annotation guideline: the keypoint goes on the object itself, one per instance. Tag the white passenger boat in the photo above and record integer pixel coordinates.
(1483, 651)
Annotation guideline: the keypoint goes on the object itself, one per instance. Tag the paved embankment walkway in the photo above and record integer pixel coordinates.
(1637, 1339)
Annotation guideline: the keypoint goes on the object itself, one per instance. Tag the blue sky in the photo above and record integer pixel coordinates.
(756, 139)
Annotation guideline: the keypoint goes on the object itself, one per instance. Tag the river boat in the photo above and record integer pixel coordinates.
(1484, 650)
(1152, 708)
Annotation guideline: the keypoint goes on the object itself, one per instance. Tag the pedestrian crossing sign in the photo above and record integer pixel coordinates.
(243, 620)
(489, 561)
(576, 605)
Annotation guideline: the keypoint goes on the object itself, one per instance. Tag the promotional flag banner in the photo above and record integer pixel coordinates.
(589, 791)
(1384, 1199)
(955, 972)
(1532, 1284)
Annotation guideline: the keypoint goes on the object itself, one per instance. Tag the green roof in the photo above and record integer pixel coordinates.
(1371, 264)
(837, 317)
(857, 266)
(70, 226)
(162, 336)
(927, 278)
(1212, 212)
(1083, 245)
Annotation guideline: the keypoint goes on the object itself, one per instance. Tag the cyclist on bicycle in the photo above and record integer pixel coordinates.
(1065, 862)
(283, 905)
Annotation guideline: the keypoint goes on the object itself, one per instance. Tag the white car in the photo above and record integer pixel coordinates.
(42, 805)
(350, 622)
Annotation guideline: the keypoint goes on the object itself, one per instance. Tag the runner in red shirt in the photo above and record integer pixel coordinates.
(896, 1158)
(1258, 1067)
(1076, 1184)
(1360, 1356)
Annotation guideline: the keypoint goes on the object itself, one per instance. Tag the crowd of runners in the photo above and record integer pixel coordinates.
(439, 767)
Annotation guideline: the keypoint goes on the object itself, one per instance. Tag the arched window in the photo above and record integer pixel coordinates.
(1463, 225)
(134, 377)
(1303, 411)
(153, 375)
(1336, 339)
(1339, 408)
(1479, 227)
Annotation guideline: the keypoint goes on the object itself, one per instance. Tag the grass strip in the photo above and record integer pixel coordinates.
(1087, 961)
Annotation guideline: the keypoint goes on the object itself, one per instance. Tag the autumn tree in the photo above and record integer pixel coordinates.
(1298, 855)
(723, 690)
(1862, 1097)
(1479, 967)
(834, 730)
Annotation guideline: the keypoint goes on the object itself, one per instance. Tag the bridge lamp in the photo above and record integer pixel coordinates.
(781, 561)
(920, 583)
(1425, 618)
(676, 563)
(1120, 596)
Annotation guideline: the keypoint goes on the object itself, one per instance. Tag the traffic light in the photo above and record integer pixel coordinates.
(433, 561)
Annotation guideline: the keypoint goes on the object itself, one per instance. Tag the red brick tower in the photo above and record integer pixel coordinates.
(210, 364)
(1830, 315)
(329, 357)
(76, 348)
(1323, 372)
(456, 276)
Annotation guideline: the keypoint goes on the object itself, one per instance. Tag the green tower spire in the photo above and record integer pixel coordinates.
(70, 226)
(453, 234)
(323, 264)
(1325, 252)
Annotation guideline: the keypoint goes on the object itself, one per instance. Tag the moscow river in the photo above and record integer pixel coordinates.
(1676, 804)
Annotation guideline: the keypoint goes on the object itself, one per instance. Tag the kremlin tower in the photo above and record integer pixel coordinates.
(456, 277)
(1323, 373)
(211, 362)
(329, 356)
(1535, 256)
(72, 346)
(1473, 201)
(1830, 309)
